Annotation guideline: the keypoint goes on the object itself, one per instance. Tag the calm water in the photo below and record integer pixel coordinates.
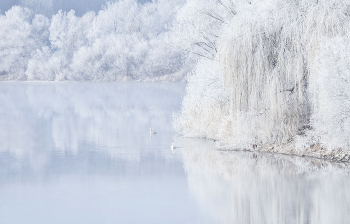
(82, 153)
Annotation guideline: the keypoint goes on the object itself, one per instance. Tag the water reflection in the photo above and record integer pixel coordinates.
(47, 128)
(62, 116)
(81, 153)
(245, 187)
(84, 153)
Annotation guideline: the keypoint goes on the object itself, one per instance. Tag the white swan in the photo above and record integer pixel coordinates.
(151, 133)
(172, 147)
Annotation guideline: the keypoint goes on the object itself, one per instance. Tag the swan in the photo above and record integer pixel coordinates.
(172, 147)
(151, 133)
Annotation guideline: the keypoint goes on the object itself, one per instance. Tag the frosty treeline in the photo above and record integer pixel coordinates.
(271, 75)
(274, 75)
(125, 40)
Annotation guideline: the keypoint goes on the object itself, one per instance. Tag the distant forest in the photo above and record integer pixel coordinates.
(124, 40)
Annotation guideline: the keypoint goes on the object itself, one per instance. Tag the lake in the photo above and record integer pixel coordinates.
(83, 153)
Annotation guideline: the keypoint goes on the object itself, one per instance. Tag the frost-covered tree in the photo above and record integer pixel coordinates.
(21, 33)
(198, 28)
(281, 67)
(266, 72)
(198, 25)
(124, 41)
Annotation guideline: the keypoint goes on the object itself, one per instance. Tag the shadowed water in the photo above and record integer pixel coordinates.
(82, 153)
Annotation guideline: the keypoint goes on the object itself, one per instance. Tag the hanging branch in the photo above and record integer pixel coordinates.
(217, 17)
(228, 8)
(203, 55)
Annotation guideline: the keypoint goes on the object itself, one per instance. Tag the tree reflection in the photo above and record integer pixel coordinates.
(246, 187)
(47, 128)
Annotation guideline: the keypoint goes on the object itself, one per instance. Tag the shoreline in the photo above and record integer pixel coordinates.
(315, 151)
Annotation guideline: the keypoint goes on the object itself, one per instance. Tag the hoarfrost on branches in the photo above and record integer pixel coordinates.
(285, 73)
(272, 74)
